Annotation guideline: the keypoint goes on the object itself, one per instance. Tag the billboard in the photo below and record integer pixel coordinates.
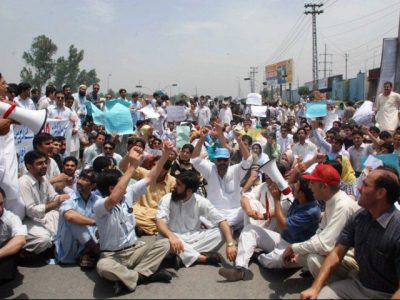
(279, 73)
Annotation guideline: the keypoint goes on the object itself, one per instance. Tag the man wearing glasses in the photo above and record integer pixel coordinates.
(223, 188)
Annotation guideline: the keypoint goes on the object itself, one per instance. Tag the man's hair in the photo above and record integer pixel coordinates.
(121, 90)
(134, 140)
(59, 138)
(385, 135)
(190, 179)
(336, 165)
(357, 132)
(190, 147)
(31, 156)
(135, 94)
(304, 187)
(49, 90)
(388, 146)
(89, 174)
(101, 163)
(23, 86)
(301, 129)
(112, 144)
(374, 128)
(155, 94)
(106, 179)
(2, 192)
(389, 83)
(167, 165)
(247, 138)
(389, 183)
(40, 138)
(33, 91)
(71, 158)
(66, 86)
(69, 97)
(339, 139)
(100, 133)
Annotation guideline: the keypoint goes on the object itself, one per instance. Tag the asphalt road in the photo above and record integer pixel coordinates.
(198, 281)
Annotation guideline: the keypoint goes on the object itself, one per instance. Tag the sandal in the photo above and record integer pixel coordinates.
(87, 262)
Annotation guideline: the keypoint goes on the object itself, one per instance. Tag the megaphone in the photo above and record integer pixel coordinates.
(271, 169)
(33, 119)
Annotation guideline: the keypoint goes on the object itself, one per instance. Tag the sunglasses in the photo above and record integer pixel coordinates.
(222, 159)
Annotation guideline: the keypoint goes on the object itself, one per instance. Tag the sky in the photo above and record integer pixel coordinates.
(206, 47)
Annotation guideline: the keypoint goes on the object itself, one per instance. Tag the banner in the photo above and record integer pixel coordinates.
(183, 134)
(316, 109)
(390, 160)
(279, 73)
(176, 113)
(116, 120)
(149, 112)
(388, 63)
(23, 136)
(258, 111)
(255, 133)
(110, 103)
(253, 99)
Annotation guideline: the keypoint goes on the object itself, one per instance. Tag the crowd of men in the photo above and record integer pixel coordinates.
(91, 206)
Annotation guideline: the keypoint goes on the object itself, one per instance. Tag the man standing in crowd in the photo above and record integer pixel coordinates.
(23, 99)
(388, 108)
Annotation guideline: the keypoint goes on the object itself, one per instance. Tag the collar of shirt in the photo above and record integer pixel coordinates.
(33, 180)
(385, 218)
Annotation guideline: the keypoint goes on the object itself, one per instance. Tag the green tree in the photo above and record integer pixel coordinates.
(303, 91)
(67, 71)
(40, 62)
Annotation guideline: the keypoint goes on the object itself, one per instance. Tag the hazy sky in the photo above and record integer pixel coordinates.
(208, 44)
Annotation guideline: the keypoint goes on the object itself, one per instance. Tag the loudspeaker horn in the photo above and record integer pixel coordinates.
(33, 119)
(271, 169)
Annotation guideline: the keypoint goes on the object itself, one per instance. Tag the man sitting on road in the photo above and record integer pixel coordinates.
(299, 225)
(324, 183)
(179, 220)
(374, 233)
(123, 258)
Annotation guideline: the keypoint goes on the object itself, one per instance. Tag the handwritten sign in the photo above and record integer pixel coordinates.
(258, 111)
(176, 113)
(253, 99)
(149, 112)
(316, 109)
(116, 120)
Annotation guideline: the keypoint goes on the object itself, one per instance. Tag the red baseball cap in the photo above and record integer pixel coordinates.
(324, 173)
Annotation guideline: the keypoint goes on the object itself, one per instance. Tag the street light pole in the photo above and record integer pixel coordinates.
(108, 82)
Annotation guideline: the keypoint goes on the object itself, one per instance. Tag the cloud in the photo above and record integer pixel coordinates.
(101, 10)
(192, 27)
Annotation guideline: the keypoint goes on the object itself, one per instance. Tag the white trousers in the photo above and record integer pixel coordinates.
(270, 241)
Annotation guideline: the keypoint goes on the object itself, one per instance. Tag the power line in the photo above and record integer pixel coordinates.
(355, 20)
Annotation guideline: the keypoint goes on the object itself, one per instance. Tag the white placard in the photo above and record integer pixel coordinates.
(253, 99)
(176, 113)
(364, 114)
(149, 112)
(258, 111)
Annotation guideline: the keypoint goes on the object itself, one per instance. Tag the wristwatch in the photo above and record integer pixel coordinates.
(230, 244)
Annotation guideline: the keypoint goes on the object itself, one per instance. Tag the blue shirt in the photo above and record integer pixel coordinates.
(117, 225)
(302, 221)
(71, 238)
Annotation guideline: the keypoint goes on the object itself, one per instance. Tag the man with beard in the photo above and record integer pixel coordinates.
(76, 235)
(183, 164)
(41, 202)
(179, 216)
(80, 103)
(223, 181)
(70, 165)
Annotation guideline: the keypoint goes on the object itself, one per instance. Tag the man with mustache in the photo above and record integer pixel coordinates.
(179, 219)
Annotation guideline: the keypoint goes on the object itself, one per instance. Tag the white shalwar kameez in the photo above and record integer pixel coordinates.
(183, 219)
(224, 193)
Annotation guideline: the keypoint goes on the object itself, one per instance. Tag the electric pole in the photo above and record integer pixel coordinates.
(252, 75)
(314, 11)
(326, 62)
(346, 55)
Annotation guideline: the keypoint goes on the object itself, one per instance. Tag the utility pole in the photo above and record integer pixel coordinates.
(346, 55)
(252, 75)
(326, 62)
(314, 11)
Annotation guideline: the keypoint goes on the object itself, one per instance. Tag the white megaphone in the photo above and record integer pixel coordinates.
(33, 119)
(271, 169)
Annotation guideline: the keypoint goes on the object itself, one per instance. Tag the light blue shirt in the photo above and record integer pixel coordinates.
(71, 238)
(117, 225)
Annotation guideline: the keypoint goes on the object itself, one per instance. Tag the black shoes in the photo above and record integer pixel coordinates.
(159, 276)
(232, 274)
(212, 258)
